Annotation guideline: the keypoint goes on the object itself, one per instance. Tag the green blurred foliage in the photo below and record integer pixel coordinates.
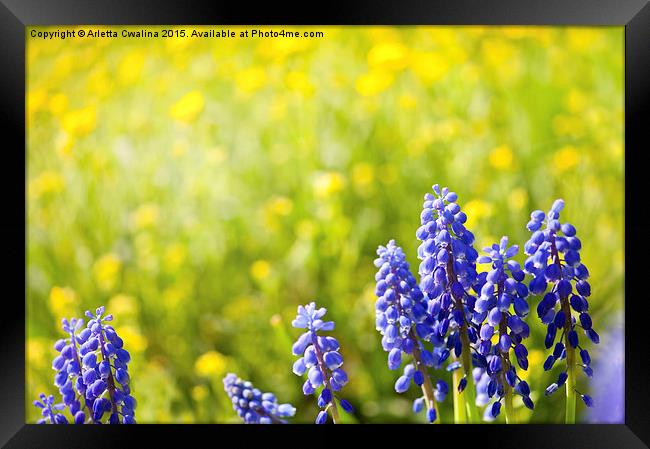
(203, 188)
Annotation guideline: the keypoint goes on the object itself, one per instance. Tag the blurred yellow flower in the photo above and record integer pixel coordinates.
(124, 306)
(374, 82)
(363, 175)
(299, 82)
(583, 38)
(566, 158)
(145, 216)
(503, 57)
(328, 183)
(175, 255)
(429, 67)
(130, 67)
(47, 182)
(575, 101)
(80, 121)
(137, 342)
(279, 205)
(388, 55)
(497, 51)
(99, 82)
(106, 270)
(63, 302)
(36, 100)
(407, 101)
(36, 349)
(518, 198)
(199, 393)
(281, 48)
(188, 108)
(476, 210)
(63, 65)
(260, 270)
(58, 104)
(210, 364)
(250, 80)
(501, 157)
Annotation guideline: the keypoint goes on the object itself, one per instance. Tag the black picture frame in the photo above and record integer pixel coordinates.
(15, 15)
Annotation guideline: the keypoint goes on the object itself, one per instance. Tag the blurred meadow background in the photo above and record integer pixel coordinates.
(203, 188)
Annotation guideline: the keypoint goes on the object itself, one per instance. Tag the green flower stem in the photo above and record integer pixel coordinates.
(335, 412)
(570, 415)
(511, 417)
(460, 408)
(511, 414)
(470, 389)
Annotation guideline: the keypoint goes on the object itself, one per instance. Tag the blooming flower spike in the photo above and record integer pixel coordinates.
(253, 406)
(503, 304)
(448, 274)
(561, 277)
(321, 361)
(105, 371)
(404, 323)
(50, 412)
(92, 373)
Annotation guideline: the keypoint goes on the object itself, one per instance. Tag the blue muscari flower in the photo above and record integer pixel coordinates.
(253, 406)
(104, 371)
(554, 258)
(50, 411)
(448, 271)
(92, 373)
(321, 360)
(503, 305)
(402, 319)
(68, 371)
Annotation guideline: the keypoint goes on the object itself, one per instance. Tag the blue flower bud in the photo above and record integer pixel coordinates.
(345, 405)
(402, 384)
(321, 418)
(462, 384)
(551, 389)
(324, 398)
(548, 364)
(496, 409)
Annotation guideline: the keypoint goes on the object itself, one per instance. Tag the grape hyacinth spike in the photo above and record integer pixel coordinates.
(321, 360)
(403, 321)
(447, 276)
(503, 304)
(91, 374)
(253, 406)
(560, 276)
